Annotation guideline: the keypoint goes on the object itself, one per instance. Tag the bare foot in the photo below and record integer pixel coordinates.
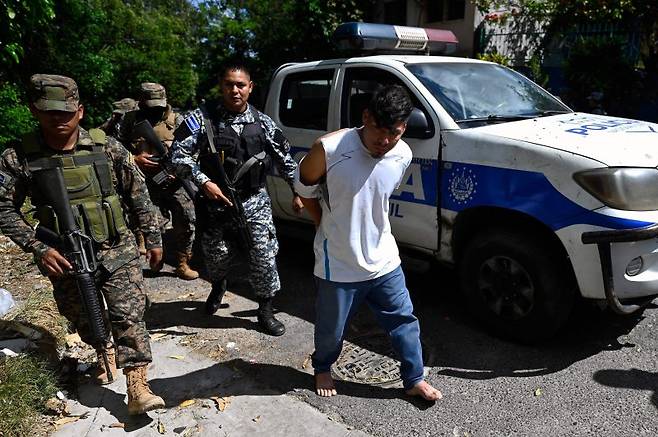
(426, 391)
(324, 385)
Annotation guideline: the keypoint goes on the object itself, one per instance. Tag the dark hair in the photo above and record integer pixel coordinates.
(234, 65)
(389, 105)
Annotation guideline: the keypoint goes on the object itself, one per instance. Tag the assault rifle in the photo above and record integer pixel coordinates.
(217, 174)
(163, 178)
(78, 250)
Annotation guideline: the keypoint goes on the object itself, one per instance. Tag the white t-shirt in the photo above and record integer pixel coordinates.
(354, 241)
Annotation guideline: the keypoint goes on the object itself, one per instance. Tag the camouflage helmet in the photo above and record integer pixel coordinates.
(124, 105)
(152, 94)
(51, 92)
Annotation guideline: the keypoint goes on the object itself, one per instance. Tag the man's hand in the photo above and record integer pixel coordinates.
(213, 192)
(297, 204)
(55, 263)
(154, 257)
(145, 164)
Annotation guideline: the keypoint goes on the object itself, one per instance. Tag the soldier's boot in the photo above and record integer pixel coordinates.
(215, 297)
(141, 244)
(183, 269)
(101, 375)
(266, 318)
(140, 397)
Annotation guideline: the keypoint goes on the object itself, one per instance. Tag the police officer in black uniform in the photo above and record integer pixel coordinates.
(249, 141)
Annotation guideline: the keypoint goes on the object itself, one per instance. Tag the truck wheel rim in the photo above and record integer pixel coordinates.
(506, 287)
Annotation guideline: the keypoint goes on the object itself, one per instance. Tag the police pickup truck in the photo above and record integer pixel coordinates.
(533, 203)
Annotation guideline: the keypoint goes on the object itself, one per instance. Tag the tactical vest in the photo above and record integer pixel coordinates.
(88, 178)
(245, 161)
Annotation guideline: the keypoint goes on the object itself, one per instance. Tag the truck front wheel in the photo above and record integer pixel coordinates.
(517, 284)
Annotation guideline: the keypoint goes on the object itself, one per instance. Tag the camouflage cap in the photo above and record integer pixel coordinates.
(152, 94)
(124, 105)
(51, 92)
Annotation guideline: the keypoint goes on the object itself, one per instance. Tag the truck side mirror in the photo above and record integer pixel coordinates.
(418, 126)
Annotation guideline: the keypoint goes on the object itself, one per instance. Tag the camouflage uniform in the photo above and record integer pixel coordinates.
(111, 125)
(172, 200)
(220, 251)
(119, 277)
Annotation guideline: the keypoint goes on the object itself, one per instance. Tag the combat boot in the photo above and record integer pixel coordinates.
(215, 297)
(266, 318)
(183, 269)
(141, 244)
(140, 397)
(101, 375)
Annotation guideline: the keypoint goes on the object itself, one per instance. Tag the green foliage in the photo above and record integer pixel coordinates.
(18, 18)
(600, 65)
(495, 57)
(16, 119)
(25, 385)
(268, 34)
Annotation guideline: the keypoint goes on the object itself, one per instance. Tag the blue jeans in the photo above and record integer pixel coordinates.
(388, 298)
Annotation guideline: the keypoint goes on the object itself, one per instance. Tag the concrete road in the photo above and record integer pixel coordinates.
(599, 377)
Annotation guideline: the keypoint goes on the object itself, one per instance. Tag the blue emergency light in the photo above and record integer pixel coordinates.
(390, 38)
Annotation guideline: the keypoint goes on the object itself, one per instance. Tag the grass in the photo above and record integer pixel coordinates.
(39, 311)
(26, 382)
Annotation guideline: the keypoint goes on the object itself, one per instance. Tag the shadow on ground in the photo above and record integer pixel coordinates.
(227, 379)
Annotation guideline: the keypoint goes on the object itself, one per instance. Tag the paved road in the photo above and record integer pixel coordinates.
(599, 377)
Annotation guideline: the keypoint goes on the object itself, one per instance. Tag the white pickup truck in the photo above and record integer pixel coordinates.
(533, 203)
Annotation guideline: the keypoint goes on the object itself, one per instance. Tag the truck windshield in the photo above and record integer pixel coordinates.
(475, 94)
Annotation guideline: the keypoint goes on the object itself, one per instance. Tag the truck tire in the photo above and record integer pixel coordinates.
(517, 284)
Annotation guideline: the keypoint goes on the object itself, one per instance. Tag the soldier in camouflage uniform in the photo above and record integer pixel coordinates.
(244, 135)
(172, 198)
(111, 125)
(111, 180)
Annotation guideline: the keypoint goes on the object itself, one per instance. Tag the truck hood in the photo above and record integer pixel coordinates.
(613, 141)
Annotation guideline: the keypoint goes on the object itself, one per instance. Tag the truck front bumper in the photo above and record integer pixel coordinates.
(603, 240)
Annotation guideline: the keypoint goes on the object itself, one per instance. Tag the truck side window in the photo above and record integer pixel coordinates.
(359, 86)
(304, 99)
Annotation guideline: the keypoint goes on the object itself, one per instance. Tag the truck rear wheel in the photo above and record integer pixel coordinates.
(516, 284)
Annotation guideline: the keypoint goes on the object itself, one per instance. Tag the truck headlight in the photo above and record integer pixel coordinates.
(631, 189)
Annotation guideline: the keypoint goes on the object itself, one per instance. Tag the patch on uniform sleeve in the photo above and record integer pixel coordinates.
(5, 179)
(281, 140)
(189, 126)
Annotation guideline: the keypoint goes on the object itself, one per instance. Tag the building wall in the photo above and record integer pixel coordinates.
(463, 29)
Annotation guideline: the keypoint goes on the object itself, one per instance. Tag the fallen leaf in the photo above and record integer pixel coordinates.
(157, 336)
(73, 339)
(161, 428)
(306, 362)
(256, 419)
(55, 406)
(118, 425)
(187, 403)
(185, 296)
(222, 403)
(64, 420)
(177, 357)
(538, 392)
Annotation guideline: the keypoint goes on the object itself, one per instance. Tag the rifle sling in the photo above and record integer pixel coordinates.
(244, 168)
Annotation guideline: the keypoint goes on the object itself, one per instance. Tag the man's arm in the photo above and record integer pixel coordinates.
(131, 187)
(311, 171)
(13, 189)
(279, 150)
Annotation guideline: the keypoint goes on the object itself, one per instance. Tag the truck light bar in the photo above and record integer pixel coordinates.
(389, 38)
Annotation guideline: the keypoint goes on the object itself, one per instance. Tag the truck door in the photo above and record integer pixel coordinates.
(413, 207)
(303, 114)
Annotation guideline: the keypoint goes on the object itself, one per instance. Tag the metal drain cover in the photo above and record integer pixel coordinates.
(367, 360)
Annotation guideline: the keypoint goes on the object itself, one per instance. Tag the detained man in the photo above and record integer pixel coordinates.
(345, 183)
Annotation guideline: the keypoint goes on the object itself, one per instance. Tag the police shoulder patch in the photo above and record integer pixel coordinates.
(193, 124)
(5, 179)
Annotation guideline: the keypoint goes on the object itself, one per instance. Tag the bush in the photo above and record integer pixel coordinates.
(25, 385)
(600, 65)
(16, 118)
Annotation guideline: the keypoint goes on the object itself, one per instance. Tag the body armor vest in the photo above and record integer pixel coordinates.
(88, 178)
(245, 161)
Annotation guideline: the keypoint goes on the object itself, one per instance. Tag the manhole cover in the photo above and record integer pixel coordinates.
(367, 360)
